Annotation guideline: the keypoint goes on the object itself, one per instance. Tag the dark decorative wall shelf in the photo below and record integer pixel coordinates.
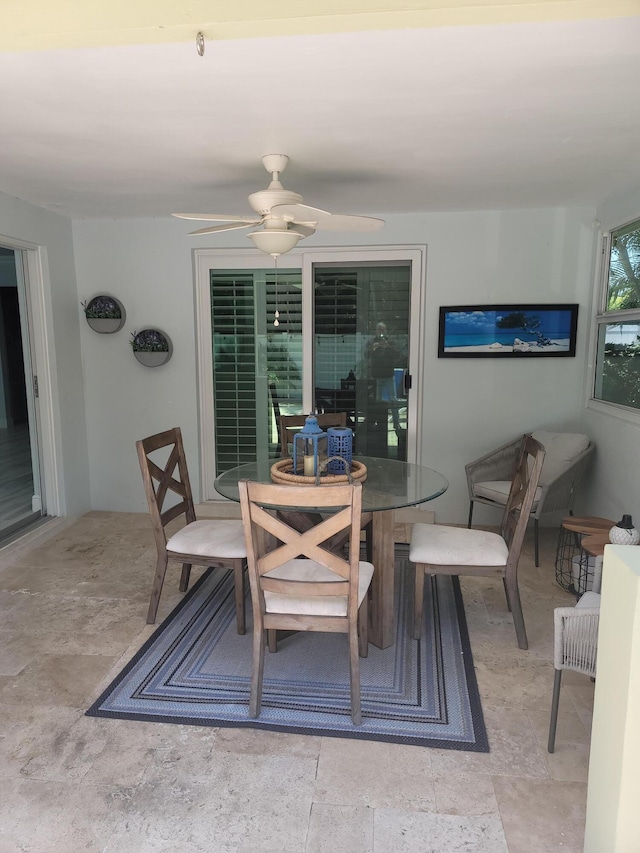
(151, 347)
(105, 314)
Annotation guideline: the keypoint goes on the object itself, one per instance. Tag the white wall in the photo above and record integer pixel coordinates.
(613, 822)
(614, 483)
(469, 405)
(21, 221)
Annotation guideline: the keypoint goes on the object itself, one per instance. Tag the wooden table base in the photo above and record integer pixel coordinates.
(382, 623)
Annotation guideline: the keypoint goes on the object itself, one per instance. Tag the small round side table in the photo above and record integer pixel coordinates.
(574, 563)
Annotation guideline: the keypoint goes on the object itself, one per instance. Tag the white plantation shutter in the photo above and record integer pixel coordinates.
(249, 355)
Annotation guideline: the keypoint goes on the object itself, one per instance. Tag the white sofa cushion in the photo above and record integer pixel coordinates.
(589, 599)
(561, 448)
(441, 545)
(208, 538)
(498, 491)
(313, 605)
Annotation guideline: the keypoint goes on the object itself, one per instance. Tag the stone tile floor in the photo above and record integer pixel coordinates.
(73, 612)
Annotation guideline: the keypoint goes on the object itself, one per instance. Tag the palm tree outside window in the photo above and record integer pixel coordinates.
(617, 378)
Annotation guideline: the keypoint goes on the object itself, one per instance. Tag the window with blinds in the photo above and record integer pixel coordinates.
(257, 367)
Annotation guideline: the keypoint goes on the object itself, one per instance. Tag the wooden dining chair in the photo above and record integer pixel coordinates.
(330, 419)
(440, 549)
(297, 582)
(203, 543)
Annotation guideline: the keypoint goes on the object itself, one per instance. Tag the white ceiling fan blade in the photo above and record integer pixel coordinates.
(306, 230)
(216, 228)
(326, 221)
(298, 212)
(347, 222)
(218, 217)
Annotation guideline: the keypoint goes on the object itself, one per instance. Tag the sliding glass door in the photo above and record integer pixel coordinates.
(361, 351)
(21, 500)
(313, 335)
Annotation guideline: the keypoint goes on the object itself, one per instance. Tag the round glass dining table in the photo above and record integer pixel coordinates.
(389, 485)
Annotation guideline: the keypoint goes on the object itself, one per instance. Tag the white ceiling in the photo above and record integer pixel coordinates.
(448, 118)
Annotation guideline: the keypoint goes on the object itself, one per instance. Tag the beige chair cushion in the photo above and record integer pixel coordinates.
(316, 605)
(561, 449)
(221, 539)
(440, 545)
(589, 599)
(498, 491)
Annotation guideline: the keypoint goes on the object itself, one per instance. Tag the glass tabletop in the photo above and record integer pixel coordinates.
(390, 484)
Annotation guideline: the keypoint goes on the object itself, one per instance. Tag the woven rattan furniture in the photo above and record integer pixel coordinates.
(439, 549)
(566, 460)
(297, 582)
(574, 565)
(575, 647)
(200, 543)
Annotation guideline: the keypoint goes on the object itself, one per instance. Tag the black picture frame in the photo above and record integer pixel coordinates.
(508, 331)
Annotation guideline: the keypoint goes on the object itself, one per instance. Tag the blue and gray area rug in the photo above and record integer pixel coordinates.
(195, 669)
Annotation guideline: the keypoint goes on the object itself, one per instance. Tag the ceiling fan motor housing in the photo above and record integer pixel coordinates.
(264, 200)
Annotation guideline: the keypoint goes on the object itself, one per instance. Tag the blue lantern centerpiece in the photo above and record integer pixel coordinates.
(308, 445)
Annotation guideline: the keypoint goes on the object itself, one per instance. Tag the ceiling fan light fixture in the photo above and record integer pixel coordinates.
(275, 242)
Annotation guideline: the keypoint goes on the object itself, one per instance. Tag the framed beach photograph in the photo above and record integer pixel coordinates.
(507, 331)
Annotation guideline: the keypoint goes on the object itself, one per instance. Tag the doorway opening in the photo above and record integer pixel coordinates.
(21, 501)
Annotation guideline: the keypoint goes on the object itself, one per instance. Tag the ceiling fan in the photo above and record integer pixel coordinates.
(285, 218)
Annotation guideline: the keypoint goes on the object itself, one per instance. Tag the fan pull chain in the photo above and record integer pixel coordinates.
(276, 321)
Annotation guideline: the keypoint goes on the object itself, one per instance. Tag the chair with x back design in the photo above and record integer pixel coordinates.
(203, 543)
(298, 583)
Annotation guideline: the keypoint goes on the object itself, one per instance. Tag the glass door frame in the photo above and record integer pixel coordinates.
(32, 270)
(305, 260)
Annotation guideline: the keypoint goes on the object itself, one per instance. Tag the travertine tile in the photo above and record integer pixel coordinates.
(570, 728)
(262, 742)
(17, 651)
(56, 680)
(74, 613)
(8, 601)
(239, 799)
(354, 772)
(569, 762)
(82, 626)
(415, 832)
(514, 682)
(542, 815)
(514, 749)
(334, 828)
(465, 794)
(581, 697)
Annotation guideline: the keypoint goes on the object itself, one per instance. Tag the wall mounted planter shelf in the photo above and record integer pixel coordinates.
(151, 347)
(105, 314)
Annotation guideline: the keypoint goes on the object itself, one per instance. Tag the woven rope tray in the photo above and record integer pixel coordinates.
(282, 472)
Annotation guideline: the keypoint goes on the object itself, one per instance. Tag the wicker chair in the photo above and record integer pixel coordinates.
(575, 647)
(566, 458)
